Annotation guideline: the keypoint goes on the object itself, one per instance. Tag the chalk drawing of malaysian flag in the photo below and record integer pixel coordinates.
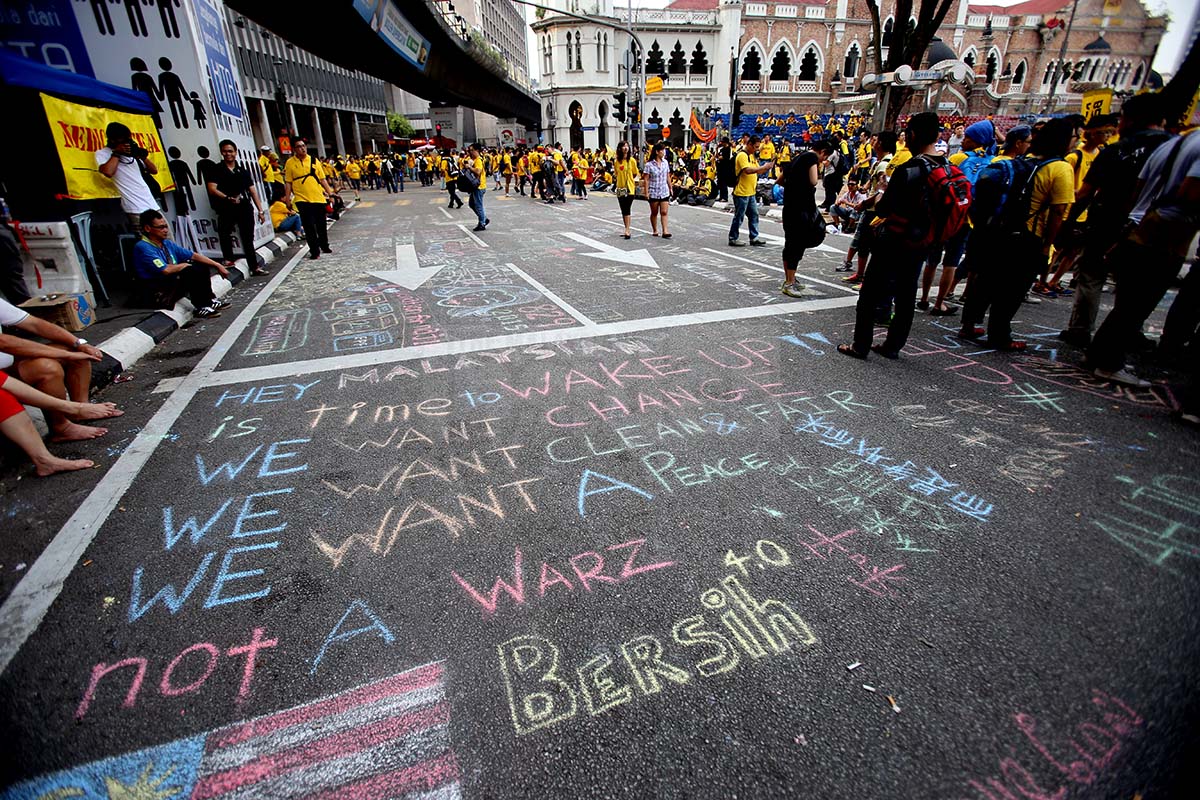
(387, 739)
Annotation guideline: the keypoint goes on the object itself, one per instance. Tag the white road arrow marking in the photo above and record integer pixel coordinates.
(408, 272)
(642, 257)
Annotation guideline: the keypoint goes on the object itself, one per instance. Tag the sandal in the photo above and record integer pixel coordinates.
(1013, 347)
(260, 271)
(943, 312)
(666, 236)
(848, 350)
(878, 348)
(226, 263)
(972, 334)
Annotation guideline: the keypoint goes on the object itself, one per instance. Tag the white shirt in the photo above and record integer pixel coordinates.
(135, 194)
(1187, 165)
(9, 315)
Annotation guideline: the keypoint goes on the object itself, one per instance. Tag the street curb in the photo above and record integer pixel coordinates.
(126, 347)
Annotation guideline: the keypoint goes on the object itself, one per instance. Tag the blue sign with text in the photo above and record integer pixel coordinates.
(225, 88)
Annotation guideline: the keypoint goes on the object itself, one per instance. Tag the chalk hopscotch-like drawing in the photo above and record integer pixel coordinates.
(390, 738)
(479, 301)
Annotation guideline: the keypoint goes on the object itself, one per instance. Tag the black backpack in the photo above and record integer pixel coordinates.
(1004, 194)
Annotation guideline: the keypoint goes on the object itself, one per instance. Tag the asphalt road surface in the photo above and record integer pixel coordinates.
(544, 512)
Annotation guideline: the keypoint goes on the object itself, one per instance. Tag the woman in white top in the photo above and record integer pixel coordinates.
(657, 174)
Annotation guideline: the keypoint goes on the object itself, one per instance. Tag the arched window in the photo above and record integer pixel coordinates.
(605, 51)
(677, 65)
(655, 63)
(1049, 73)
(751, 65)
(810, 63)
(699, 64)
(850, 65)
(1137, 76)
(781, 64)
(578, 51)
(1019, 74)
(970, 57)
(599, 54)
(570, 43)
(885, 38)
(993, 65)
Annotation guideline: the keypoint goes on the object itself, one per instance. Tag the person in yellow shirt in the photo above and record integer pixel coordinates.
(476, 164)
(264, 159)
(354, 173)
(579, 172)
(746, 170)
(283, 219)
(625, 179)
(273, 177)
(785, 154)
(1096, 134)
(766, 150)
(305, 184)
(522, 170)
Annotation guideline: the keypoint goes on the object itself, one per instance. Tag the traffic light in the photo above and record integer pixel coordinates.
(438, 128)
(635, 111)
(736, 117)
(619, 109)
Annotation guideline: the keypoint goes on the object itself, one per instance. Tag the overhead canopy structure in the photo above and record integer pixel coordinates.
(404, 43)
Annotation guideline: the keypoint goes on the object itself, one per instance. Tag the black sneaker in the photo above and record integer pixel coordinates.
(736, 243)
(757, 243)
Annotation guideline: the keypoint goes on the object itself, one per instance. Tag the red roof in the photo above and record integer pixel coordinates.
(693, 5)
(1029, 7)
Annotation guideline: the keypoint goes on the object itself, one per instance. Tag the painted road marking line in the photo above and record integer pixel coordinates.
(442, 209)
(552, 297)
(806, 277)
(167, 385)
(625, 327)
(641, 257)
(408, 272)
(366, 203)
(403, 202)
(470, 233)
(25, 608)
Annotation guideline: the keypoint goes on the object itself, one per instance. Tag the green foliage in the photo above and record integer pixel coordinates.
(399, 125)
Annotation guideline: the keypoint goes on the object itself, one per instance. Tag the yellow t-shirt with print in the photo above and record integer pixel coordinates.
(766, 151)
(305, 179)
(626, 174)
(784, 157)
(1053, 185)
(559, 163)
(478, 168)
(747, 183)
(353, 170)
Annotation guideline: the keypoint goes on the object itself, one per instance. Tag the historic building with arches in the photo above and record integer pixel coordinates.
(811, 56)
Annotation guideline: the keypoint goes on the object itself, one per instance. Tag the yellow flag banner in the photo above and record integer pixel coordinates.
(79, 133)
(1096, 101)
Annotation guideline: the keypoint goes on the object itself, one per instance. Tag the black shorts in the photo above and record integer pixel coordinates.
(660, 199)
(626, 204)
(792, 255)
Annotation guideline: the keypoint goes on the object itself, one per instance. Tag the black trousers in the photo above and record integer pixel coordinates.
(316, 232)
(238, 217)
(1143, 276)
(193, 281)
(892, 268)
(1002, 270)
(833, 185)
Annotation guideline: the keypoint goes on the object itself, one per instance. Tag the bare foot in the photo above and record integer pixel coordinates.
(53, 464)
(98, 411)
(71, 432)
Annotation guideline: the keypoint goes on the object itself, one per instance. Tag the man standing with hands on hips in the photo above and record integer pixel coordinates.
(304, 181)
(231, 187)
(746, 170)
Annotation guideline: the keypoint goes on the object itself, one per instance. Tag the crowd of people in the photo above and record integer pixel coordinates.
(1043, 210)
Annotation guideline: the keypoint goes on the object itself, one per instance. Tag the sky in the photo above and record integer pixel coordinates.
(1170, 52)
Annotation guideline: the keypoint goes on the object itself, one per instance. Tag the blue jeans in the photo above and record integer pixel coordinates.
(290, 224)
(477, 205)
(744, 207)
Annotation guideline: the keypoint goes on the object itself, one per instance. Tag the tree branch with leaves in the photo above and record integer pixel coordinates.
(907, 47)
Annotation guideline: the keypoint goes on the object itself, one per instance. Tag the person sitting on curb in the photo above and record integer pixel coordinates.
(171, 271)
(848, 208)
(17, 426)
(284, 219)
(59, 369)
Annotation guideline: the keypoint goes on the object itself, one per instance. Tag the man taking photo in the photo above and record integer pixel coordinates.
(124, 162)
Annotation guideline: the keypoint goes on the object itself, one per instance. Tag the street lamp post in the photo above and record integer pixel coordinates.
(1062, 54)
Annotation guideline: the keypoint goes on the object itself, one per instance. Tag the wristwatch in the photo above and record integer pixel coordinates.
(79, 343)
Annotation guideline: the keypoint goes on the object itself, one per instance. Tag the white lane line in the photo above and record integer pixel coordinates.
(167, 385)
(552, 297)
(624, 327)
(26, 607)
(444, 211)
(468, 232)
(806, 276)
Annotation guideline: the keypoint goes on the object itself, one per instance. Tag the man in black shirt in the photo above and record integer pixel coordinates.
(895, 263)
(231, 188)
(1107, 194)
